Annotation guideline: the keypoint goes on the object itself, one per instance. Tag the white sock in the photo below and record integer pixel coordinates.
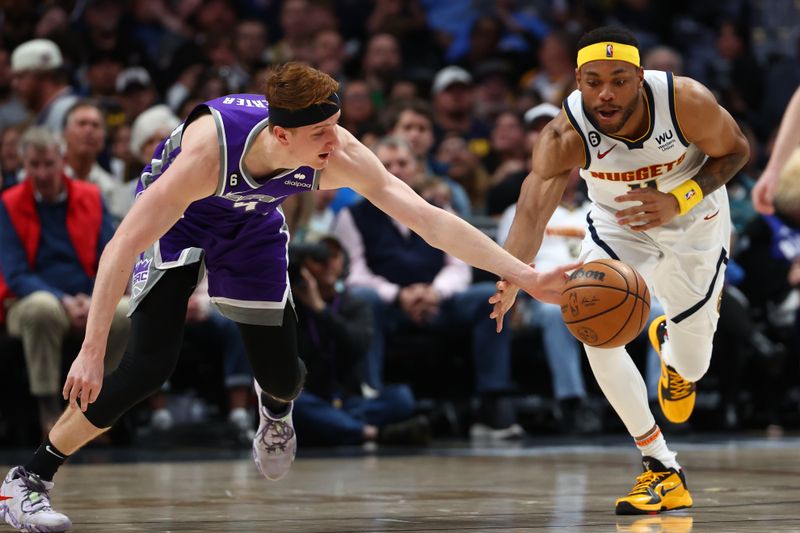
(655, 446)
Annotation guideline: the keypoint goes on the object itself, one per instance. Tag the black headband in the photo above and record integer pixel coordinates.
(305, 116)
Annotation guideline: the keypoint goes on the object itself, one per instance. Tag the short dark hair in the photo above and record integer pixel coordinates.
(608, 33)
(391, 116)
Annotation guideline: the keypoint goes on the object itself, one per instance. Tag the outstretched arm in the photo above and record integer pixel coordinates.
(785, 143)
(557, 152)
(193, 175)
(355, 166)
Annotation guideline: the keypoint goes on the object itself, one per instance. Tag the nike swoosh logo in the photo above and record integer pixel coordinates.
(712, 215)
(664, 491)
(5, 498)
(50, 450)
(601, 155)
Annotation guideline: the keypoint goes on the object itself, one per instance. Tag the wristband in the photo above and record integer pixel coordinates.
(688, 194)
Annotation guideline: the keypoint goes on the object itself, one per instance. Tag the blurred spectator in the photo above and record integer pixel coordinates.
(40, 82)
(409, 283)
(453, 107)
(296, 41)
(334, 338)
(12, 112)
(149, 129)
(102, 71)
(412, 121)
(509, 153)
(124, 165)
(493, 93)
(405, 19)
(555, 78)
(663, 58)
(10, 164)
(135, 92)
(321, 223)
(328, 54)
(734, 72)
(85, 138)
(505, 193)
(101, 29)
(505, 29)
(381, 65)
(463, 168)
(358, 109)
(52, 232)
(250, 43)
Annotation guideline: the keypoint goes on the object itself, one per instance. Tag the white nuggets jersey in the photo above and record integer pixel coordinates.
(662, 157)
(683, 261)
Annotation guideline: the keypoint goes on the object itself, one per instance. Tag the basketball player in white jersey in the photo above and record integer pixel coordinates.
(656, 152)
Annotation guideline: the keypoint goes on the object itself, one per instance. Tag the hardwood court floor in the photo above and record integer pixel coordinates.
(743, 485)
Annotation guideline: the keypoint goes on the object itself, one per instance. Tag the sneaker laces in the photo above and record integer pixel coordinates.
(36, 494)
(647, 479)
(276, 435)
(678, 387)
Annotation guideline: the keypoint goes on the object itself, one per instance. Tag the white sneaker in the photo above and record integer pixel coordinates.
(162, 419)
(275, 443)
(26, 503)
(240, 419)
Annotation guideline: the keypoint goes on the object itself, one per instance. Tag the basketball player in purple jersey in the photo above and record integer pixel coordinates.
(655, 151)
(210, 199)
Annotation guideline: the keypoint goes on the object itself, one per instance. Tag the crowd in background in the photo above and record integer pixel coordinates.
(451, 95)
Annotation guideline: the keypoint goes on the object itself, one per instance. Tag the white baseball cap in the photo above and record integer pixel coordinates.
(38, 54)
(448, 76)
(545, 110)
(133, 77)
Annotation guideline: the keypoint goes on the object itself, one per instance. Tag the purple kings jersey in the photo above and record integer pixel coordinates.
(239, 232)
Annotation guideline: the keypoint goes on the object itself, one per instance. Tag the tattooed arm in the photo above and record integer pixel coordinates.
(713, 130)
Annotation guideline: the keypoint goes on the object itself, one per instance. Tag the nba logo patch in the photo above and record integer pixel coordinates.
(609, 50)
(689, 194)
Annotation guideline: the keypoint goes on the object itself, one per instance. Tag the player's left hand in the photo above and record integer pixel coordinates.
(655, 209)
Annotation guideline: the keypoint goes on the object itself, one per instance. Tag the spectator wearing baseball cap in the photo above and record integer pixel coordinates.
(135, 91)
(453, 109)
(40, 81)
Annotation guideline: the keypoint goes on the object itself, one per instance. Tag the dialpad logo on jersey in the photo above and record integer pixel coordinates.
(665, 140)
(141, 273)
(642, 173)
(245, 102)
(594, 139)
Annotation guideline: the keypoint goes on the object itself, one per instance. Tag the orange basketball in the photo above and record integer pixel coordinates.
(605, 304)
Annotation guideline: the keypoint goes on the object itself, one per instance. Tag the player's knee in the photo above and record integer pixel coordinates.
(691, 369)
(689, 352)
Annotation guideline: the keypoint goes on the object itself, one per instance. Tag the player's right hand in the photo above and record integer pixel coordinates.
(764, 193)
(85, 379)
(503, 300)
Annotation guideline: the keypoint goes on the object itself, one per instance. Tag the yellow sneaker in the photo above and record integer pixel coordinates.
(676, 395)
(657, 489)
(658, 524)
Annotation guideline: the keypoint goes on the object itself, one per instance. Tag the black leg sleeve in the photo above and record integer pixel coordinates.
(272, 351)
(153, 347)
